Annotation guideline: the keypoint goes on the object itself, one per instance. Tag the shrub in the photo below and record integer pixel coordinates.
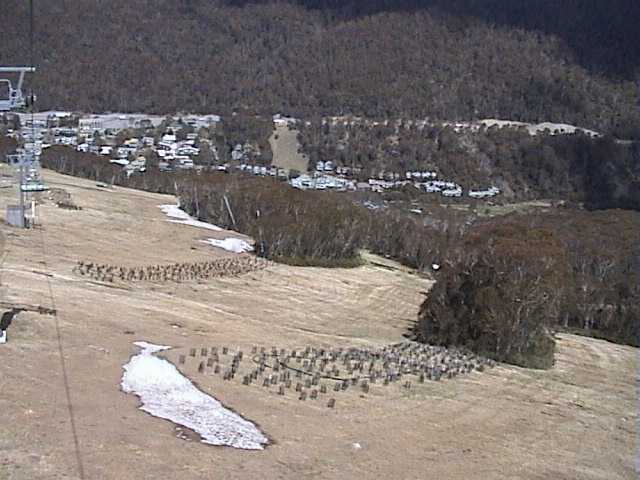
(503, 296)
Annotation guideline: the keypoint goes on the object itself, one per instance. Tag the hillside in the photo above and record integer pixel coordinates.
(598, 171)
(574, 275)
(444, 60)
(442, 283)
(575, 420)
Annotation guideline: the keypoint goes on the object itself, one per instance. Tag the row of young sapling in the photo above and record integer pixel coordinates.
(175, 272)
(312, 372)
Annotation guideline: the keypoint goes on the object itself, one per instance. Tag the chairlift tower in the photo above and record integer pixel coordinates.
(26, 160)
(15, 99)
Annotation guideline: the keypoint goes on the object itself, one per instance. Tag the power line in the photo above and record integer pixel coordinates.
(32, 61)
(31, 32)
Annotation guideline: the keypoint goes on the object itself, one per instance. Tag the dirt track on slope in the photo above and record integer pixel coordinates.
(577, 420)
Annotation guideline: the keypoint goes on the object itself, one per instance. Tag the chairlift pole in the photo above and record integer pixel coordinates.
(28, 182)
(20, 192)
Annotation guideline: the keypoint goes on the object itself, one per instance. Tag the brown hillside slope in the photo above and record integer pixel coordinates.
(576, 420)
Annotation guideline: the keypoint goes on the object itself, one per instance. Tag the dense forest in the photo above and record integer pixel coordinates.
(600, 35)
(600, 172)
(573, 61)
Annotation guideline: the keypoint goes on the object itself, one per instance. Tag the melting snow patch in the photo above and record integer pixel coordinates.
(178, 215)
(166, 393)
(231, 244)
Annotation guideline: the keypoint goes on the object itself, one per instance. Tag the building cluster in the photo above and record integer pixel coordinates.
(488, 193)
(103, 135)
(264, 171)
(329, 176)
(317, 181)
(175, 144)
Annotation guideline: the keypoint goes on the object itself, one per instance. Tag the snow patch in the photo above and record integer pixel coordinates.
(166, 393)
(236, 245)
(178, 215)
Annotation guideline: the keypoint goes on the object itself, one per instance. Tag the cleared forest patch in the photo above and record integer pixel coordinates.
(286, 149)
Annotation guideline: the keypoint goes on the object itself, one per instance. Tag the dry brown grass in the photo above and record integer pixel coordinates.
(576, 420)
(285, 148)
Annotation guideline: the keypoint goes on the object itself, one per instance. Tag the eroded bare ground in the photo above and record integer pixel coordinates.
(574, 421)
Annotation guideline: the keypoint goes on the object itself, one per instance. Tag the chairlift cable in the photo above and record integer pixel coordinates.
(31, 32)
(32, 62)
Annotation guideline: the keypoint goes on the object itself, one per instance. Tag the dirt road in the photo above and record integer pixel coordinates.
(64, 416)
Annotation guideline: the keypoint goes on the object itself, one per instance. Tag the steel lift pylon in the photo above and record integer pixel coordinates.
(15, 100)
